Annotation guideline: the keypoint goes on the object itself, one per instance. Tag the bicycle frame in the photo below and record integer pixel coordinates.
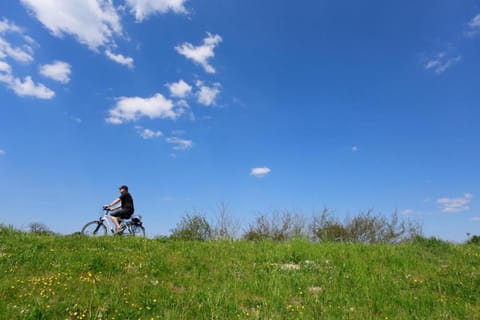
(126, 224)
(130, 227)
(107, 221)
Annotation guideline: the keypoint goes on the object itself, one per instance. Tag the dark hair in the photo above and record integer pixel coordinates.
(123, 187)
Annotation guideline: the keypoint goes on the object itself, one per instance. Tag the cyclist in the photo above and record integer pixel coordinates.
(124, 210)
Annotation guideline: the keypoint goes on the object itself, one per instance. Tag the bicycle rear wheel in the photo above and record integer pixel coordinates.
(94, 229)
(136, 230)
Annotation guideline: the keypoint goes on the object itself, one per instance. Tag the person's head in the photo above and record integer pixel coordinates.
(123, 189)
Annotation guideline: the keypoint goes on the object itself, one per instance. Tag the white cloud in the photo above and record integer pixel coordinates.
(2, 152)
(119, 58)
(207, 95)
(260, 172)
(453, 205)
(474, 25)
(143, 8)
(20, 54)
(201, 54)
(146, 133)
(182, 103)
(58, 71)
(76, 119)
(475, 219)
(93, 23)
(5, 68)
(354, 149)
(179, 143)
(6, 25)
(178, 132)
(407, 212)
(25, 87)
(179, 89)
(441, 62)
(475, 22)
(133, 108)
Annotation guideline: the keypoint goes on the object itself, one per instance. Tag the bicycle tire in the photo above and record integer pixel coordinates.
(94, 229)
(136, 230)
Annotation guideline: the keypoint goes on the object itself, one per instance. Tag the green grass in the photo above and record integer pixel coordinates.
(72, 277)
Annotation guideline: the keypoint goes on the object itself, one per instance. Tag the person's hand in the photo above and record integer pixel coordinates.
(106, 207)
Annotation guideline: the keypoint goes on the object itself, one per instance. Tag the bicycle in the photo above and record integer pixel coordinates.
(131, 227)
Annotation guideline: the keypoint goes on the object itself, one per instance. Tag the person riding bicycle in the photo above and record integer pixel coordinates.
(124, 210)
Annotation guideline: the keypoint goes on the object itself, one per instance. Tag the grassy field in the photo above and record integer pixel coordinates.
(72, 277)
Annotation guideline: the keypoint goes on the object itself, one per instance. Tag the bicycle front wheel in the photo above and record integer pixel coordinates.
(94, 229)
(136, 230)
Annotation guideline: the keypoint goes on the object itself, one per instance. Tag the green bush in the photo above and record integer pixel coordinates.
(366, 227)
(474, 240)
(192, 227)
(278, 227)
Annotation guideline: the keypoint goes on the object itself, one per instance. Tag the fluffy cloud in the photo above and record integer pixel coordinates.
(179, 143)
(201, 54)
(58, 71)
(260, 172)
(179, 89)
(119, 58)
(2, 152)
(453, 205)
(182, 103)
(207, 95)
(93, 23)
(143, 8)
(24, 54)
(474, 25)
(6, 25)
(146, 133)
(441, 62)
(5, 69)
(25, 87)
(132, 108)
(7, 50)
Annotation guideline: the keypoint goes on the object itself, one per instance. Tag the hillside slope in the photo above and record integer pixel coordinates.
(72, 277)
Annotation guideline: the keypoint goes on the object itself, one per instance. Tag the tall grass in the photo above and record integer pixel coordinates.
(72, 277)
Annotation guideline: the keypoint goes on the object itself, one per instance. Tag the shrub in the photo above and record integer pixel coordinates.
(226, 226)
(39, 228)
(192, 227)
(474, 240)
(325, 227)
(277, 227)
(366, 227)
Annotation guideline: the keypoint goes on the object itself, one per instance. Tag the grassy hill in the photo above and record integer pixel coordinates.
(72, 277)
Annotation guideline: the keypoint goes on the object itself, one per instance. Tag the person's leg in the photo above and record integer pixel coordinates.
(115, 215)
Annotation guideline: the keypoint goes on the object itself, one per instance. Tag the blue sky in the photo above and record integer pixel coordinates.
(264, 105)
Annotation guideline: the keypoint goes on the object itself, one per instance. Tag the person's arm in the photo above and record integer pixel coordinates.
(113, 203)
